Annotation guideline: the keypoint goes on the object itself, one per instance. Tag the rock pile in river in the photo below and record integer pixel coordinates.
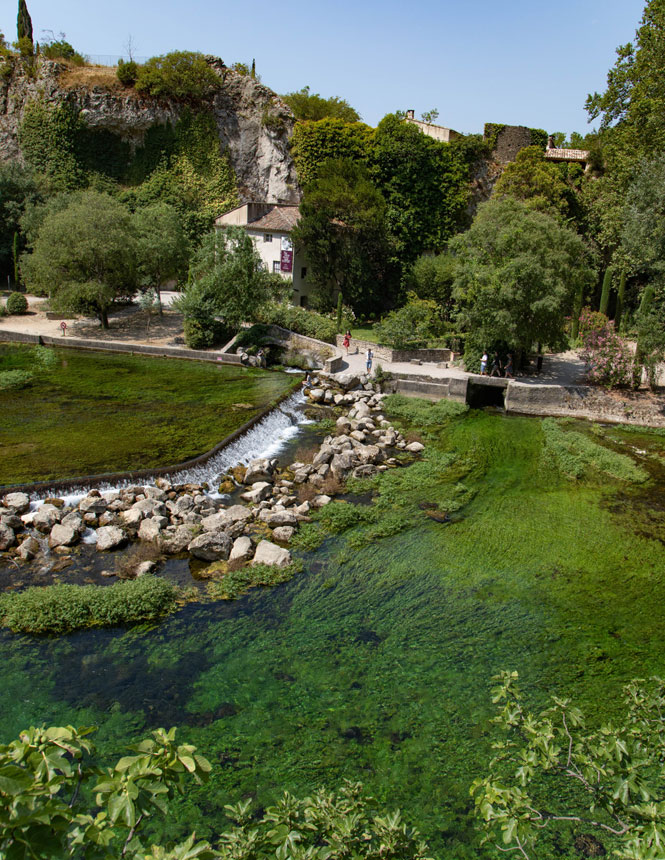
(185, 518)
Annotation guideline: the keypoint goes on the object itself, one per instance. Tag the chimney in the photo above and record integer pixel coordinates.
(410, 114)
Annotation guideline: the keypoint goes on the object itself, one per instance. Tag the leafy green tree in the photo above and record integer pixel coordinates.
(48, 779)
(432, 278)
(518, 273)
(644, 219)
(60, 49)
(162, 249)
(84, 255)
(550, 772)
(180, 74)
(19, 188)
(44, 813)
(425, 184)
(23, 23)
(410, 326)
(314, 143)
(311, 106)
(605, 293)
(343, 232)
(226, 280)
(536, 182)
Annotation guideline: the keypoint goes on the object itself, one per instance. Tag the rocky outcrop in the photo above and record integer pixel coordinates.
(253, 124)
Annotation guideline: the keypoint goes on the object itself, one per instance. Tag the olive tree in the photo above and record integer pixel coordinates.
(84, 255)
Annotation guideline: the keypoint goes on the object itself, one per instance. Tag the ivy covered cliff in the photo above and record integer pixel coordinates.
(81, 126)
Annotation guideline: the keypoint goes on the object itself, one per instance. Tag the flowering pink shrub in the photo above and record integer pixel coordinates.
(608, 357)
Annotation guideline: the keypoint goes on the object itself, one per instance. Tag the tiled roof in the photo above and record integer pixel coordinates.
(567, 154)
(280, 219)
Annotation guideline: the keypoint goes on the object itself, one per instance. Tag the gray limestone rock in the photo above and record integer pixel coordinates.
(151, 528)
(29, 549)
(109, 538)
(45, 518)
(211, 546)
(269, 553)
(242, 549)
(20, 502)
(283, 534)
(7, 537)
(62, 535)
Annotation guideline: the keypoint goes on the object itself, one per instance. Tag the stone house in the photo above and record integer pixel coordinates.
(270, 226)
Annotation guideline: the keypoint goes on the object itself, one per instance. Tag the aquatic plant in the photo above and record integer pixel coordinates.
(422, 413)
(63, 608)
(576, 455)
(235, 583)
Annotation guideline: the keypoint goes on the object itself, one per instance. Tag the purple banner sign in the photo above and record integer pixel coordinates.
(286, 261)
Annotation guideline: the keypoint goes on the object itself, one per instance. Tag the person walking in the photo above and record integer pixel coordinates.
(369, 356)
(496, 365)
(508, 369)
(347, 341)
(483, 364)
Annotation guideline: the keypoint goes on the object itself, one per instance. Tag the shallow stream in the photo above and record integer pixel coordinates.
(375, 664)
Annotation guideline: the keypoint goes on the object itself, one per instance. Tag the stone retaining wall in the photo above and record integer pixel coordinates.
(452, 388)
(17, 337)
(584, 401)
(387, 353)
(331, 358)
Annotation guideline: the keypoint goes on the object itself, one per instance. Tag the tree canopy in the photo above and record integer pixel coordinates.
(227, 279)
(311, 106)
(535, 181)
(343, 231)
(518, 272)
(162, 250)
(84, 255)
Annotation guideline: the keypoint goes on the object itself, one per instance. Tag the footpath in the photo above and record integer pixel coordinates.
(558, 390)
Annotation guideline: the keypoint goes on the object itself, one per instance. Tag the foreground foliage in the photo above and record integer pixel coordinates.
(62, 608)
(43, 814)
(552, 772)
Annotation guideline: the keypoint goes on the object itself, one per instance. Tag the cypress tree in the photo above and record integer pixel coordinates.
(15, 256)
(647, 299)
(23, 22)
(605, 294)
(253, 72)
(339, 313)
(577, 310)
(620, 297)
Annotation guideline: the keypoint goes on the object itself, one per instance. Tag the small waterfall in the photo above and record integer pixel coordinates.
(264, 439)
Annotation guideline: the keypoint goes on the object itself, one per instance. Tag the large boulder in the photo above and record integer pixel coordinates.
(415, 447)
(281, 518)
(62, 535)
(323, 455)
(283, 534)
(46, 517)
(7, 537)
(260, 470)
(316, 395)
(270, 553)
(109, 538)
(242, 549)
(341, 464)
(260, 491)
(75, 521)
(177, 541)
(151, 528)
(211, 546)
(346, 380)
(20, 502)
(93, 504)
(29, 549)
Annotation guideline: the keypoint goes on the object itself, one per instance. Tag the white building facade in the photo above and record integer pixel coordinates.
(270, 226)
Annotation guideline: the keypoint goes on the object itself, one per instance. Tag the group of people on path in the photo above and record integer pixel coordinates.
(497, 367)
(369, 354)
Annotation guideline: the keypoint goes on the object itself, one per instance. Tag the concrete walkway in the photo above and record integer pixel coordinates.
(564, 368)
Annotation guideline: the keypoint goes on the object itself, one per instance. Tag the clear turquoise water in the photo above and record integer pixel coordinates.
(375, 664)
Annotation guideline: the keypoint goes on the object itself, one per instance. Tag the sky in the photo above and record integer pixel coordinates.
(517, 63)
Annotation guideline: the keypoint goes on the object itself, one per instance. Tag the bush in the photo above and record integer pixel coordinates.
(410, 326)
(422, 413)
(60, 49)
(127, 72)
(17, 303)
(180, 75)
(608, 357)
(299, 320)
(62, 608)
(14, 379)
(202, 334)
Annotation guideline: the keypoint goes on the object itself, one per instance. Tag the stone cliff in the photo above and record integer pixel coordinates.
(253, 125)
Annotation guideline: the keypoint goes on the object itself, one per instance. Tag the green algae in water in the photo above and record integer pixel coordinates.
(95, 413)
(375, 663)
